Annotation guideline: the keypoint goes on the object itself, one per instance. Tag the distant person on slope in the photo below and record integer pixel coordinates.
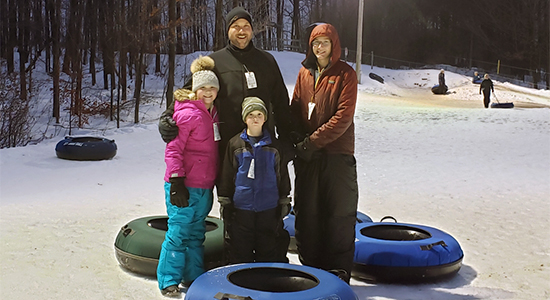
(477, 78)
(441, 78)
(486, 86)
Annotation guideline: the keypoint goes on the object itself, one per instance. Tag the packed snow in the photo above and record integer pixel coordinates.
(481, 175)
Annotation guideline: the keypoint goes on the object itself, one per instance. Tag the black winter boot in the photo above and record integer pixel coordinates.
(342, 274)
(171, 291)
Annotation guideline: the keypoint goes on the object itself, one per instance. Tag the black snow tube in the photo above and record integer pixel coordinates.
(404, 253)
(376, 77)
(502, 105)
(86, 148)
(256, 281)
(438, 90)
(138, 244)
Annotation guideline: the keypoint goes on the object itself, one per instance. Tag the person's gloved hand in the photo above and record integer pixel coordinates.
(179, 195)
(296, 137)
(306, 150)
(288, 151)
(226, 208)
(167, 126)
(284, 206)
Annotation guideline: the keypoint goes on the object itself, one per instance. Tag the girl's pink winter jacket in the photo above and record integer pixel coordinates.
(193, 154)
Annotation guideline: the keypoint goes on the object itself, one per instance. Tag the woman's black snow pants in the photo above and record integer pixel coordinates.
(325, 203)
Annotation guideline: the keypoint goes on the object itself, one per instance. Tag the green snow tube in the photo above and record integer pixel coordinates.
(138, 244)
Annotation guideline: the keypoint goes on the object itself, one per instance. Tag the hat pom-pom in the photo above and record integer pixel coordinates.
(203, 63)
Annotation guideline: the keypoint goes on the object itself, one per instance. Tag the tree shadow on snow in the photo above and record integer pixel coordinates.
(430, 290)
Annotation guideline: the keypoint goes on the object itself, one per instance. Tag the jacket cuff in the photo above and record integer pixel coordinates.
(284, 201)
(224, 200)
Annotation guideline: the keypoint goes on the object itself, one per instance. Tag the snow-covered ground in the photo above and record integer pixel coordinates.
(482, 175)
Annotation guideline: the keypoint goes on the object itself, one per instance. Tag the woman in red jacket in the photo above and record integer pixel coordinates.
(326, 191)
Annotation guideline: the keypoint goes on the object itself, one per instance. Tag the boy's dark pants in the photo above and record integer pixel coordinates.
(325, 203)
(256, 237)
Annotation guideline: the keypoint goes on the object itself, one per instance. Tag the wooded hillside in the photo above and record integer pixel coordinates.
(116, 34)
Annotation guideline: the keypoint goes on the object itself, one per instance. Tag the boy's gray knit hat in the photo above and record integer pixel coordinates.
(251, 104)
(202, 73)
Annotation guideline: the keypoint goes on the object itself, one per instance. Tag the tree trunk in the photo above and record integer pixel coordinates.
(122, 56)
(54, 7)
(171, 52)
(280, 16)
(137, 91)
(23, 46)
(178, 37)
(296, 33)
(92, 36)
(156, 22)
(219, 31)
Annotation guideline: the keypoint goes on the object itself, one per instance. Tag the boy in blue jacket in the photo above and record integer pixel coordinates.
(253, 192)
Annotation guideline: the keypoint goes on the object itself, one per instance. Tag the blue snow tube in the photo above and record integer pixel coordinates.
(291, 218)
(85, 148)
(269, 281)
(399, 252)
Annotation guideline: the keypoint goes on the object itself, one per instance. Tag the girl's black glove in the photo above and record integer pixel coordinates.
(179, 195)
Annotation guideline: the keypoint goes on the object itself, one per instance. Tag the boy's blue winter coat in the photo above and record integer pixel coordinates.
(259, 188)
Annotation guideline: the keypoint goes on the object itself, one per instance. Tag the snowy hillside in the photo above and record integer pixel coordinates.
(482, 175)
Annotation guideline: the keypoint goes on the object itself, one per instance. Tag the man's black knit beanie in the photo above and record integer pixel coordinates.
(235, 14)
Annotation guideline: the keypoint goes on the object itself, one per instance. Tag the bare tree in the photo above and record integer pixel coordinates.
(219, 36)
(171, 51)
(23, 18)
(8, 21)
(296, 33)
(54, 8)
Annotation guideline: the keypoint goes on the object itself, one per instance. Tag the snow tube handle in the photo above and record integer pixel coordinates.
(430, 246)
(225, 296)
(126, 231)
(388, 218)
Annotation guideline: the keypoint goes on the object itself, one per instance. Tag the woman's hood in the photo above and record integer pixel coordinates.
(323, 30)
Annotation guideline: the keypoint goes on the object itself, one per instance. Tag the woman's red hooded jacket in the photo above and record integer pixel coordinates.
(330, 125)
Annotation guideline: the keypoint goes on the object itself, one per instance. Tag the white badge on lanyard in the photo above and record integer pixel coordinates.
(217, 135)
(251, 169)
(310, 107)
(250, 79)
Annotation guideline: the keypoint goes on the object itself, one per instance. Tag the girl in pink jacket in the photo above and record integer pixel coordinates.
(191, 166)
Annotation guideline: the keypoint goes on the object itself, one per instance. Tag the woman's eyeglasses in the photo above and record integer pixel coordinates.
(320, 43)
